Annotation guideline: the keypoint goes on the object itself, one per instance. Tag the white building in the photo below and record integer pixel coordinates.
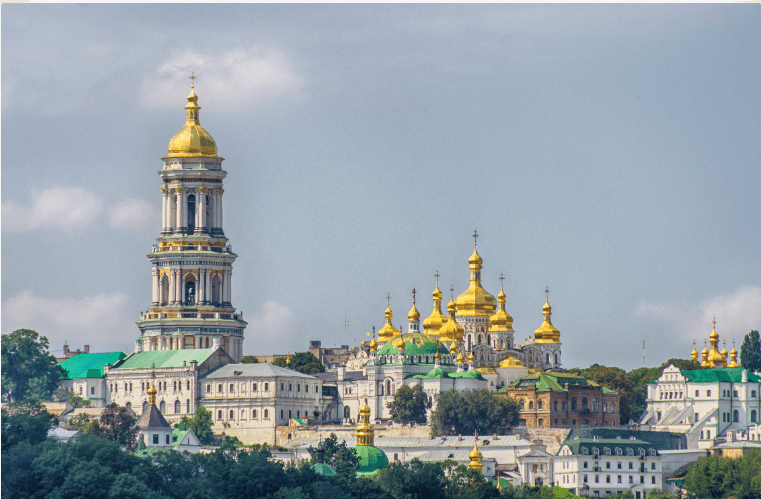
(192, 263)
(703, 403)
(84, 376)
(250, 400)
(608, 466)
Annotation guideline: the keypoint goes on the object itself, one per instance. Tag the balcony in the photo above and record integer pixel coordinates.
(191, 247)
(191, 315)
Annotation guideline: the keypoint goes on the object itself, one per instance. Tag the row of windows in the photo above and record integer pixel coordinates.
(724, 393)
(242, 387)
(161, 386)
(631, 479)
(584, 405)
(620, 466)
(735, 416)
(255, 414)
(619, 451)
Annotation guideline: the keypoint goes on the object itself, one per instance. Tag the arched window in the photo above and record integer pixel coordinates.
(388, 387)
(641, 452)
(652, 452)
(219, 414)
(190, 292)
(629, 451)
(130, 387)
(142, 385)
(266, 413)
(736, 416)
(539, 405)
(162, 407)
(556, 359)
(347, 412)
(548, 358)
(191, 213)
(753, 393)
(596, 452)
(753, 416)
(187, 406)
(253, 414)
(584, 451)
(177, 407)
(145, 406)
(243, 414)
(164, 290)
(128, 405)
(232, 414)
(125, 387)
(612, 408)
(216, 289)
(607, 451)
(530, 405)
(174, 384)
(188, 385)
(619, 452)
(521, 405)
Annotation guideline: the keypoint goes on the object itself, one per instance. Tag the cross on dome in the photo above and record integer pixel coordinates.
(475, 237)
(192, 78)
(413, 296)
(437, 277)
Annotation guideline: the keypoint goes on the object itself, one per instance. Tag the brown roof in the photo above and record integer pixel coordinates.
(152, 418)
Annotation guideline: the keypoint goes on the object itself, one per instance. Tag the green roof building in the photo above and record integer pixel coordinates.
(84, 376)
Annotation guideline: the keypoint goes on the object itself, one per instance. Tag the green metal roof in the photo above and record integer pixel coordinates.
(473, 374)
(371, 459)
(719, 374)
(434, 373)
(89, 365)
(414, 344)
(165, 358)
(611, 443)
(554, 382)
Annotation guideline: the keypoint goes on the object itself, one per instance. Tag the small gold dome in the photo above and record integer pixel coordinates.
(373, 345)
(192, 140)
(432, 324)
(501, 320)
(453, 348)
(471, 359)
(451, 330)
(413, 314)
(152, 394)
(733, 357)
(510, 362)
(547, 333)
(388, 331)
(460, 358)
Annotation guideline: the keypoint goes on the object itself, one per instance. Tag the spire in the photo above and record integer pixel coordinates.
(152, 394)
(475, 455)
(547, 333)
(288, 359)
(694, 353)
(413, 315)
(365, 431)
(733, 356)
(192, 107)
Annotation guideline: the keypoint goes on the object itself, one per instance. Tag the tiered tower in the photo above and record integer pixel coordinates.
(192, 262)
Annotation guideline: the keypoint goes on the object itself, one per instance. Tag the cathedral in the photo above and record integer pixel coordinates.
(191, 263)
(479, 325)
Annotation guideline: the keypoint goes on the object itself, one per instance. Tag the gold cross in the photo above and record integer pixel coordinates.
(547, 292)
(501, 280)
(714, 322)
(451, 290)
(437, 277)
(388, 299)
(475, 237)
(193, 85)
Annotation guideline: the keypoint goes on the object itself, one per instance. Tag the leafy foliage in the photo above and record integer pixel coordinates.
(25, 421)
(409, 406)
(83, 423)
(472, 410)
(74, 400)
(200, 424)
(750, 351)
(343, 459)
(249, 359)
(116, 424)
(413, 479)
(29, 370)
(718, 477)
(303, 362)
(640, 378)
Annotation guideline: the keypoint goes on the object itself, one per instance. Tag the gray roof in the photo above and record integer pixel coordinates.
(348, 375)
(152, 418)
(436, 456)
(253, 371)
(451, 442)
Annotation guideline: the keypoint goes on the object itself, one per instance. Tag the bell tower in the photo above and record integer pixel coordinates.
(192, 261)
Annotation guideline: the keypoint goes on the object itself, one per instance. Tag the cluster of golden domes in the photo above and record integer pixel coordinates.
(714, 358)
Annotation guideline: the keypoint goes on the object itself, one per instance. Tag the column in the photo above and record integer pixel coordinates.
(201, 291)
(178, 291)
(155, 300)
(219, 209)
(163, 211)
(184, 211)
(176, 210)
(207, 285)
(199, 341)
(227, 286)
(201, 210)
(172, 287)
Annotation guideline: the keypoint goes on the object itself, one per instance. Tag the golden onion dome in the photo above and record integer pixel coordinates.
(694, 355)
(452, 330)
(460, 358)
(733, 357)
(432, 324)
(547, 333)
(453, 348)
(388, 331)
(511, 362)
(475, 300)
(501, 321)
(471, 359)
(704, 357)
(152, 394)
(365, 430)
(413, 314)
(192, 141)
(373, 345)
(475, 455)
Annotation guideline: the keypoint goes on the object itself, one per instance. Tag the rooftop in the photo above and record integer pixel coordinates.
(253, 371)
(717, 374)
(164, 358)
(89, 365)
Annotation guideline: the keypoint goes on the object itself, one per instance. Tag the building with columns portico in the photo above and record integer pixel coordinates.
(192, 261)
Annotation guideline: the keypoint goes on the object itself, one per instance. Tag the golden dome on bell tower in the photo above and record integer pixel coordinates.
(475, 300)
(192, 140)
(501, 321)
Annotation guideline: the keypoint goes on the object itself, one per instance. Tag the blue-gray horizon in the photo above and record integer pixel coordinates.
(610, 152)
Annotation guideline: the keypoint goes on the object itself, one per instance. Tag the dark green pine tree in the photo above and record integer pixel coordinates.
(750, 352)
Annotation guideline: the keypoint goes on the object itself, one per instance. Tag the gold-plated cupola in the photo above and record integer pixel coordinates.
(192, 141)
(475, 300)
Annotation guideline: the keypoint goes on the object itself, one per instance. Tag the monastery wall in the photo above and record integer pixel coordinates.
(551, 438)
(251, 436)
(348, 431)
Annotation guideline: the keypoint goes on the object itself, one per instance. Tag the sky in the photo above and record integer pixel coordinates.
(609, 152)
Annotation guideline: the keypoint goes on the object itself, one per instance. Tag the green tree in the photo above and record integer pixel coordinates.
(25, 421)
(614, 378)
(750, 351)
(343, 459)
(118, 425)
(29, 370)
(409, 405)
(465, 412)
(413, 479)
(249, 359)
(641, 377)
(74, 400)
(200, 424)
(303, 362)
(83, 423)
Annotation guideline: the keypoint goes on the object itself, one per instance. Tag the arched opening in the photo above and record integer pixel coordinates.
(145, 406)
(177, 407)
(753, 416)
(191, 213)
(190, 292)
(347, 412)
(162, 407)
(736, 416)
(388, 387)
(128, 405)
(548, 359)
(556, 359)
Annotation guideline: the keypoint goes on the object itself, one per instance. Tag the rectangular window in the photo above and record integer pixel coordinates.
(253, 388)
(697, 393)
(298, 388)
(585, 465)
(92, 390)
(631, 466)
(736, 393)
(266, 387)
(219, 388)
(607, 479)
(167, 439)
(607, 465)
(631, 479)
(155, 439)
(641, 479)
(573, 404)
(597, 478)
(585, 478)
(697, 417)
(619, 465)
(708, 393)
(619, 478)
(396, 457)
(652, 479)
(208, 388)
(652, 466)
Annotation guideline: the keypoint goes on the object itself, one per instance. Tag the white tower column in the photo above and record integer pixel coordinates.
(155, 300)
(219, 208)
(201, 209)
(176, 209)
(163, 211)
(178, 292)
(226, 287)
(207, 285)
(184, 210)
(200, 285)
(172, 287)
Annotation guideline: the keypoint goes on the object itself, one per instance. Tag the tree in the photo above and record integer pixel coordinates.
(303, 362)
(71, 398)
(118, 425)
(28, 369)
(750, 351)
(614, 378)
(343, 459)
(249, 359)
(200, 424)
(409, 406)
(83, 423)
(25, 421)
(639, 379)
(465, 412)
(413, 479)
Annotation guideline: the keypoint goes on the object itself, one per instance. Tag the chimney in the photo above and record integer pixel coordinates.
(744, 376)
(216, 343)
(138, 345)
(730, 436)
(66, 349)
(87, 348)
(340, 373)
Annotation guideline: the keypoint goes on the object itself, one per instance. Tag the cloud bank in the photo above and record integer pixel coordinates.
(233, 79)
(736, 314)
(66, 208)
(131, 214)
(269, 329)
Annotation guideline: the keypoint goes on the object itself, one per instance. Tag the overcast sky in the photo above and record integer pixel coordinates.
(609, 152)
